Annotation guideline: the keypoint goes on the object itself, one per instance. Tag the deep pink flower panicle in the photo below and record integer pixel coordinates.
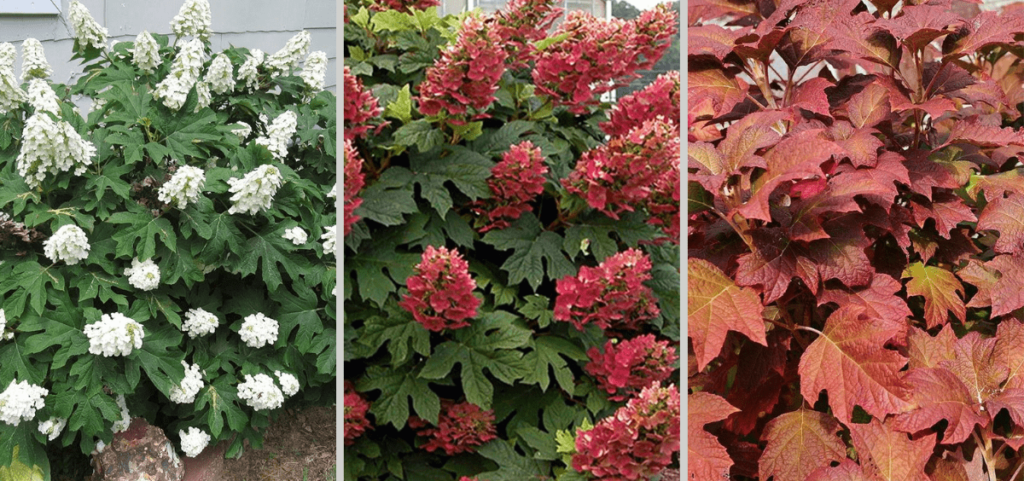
(521, 23)
(631, 365)
(359, 107)
(460, 428)
(611, 296)
(514, 183)
(353, 179)
(467, 73)
(441, 291)
(661, 97)
(355, 414)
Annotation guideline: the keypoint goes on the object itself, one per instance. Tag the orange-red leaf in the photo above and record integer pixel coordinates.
(800, 442)
(999, 283)
(869, 107)
(717, 305)
(891, 454)
(939, 394)
(947, 210)
(926, 350)
(774, 264)
(1006, 216)
(846, 471)
(707, 458)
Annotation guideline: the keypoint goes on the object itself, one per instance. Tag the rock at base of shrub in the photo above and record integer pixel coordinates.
(142, 452)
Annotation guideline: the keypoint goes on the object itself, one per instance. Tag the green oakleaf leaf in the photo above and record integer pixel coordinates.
(396, 387)
(547, 352)
(532, 247)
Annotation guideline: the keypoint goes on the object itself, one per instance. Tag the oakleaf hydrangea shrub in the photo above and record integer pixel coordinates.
(146, 265)
(511, 245)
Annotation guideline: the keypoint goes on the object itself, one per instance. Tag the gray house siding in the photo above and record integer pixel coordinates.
(262, 24)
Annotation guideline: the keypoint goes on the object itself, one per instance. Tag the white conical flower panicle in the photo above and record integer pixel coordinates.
(184, 187)
(194, 441)
(184, 74)
(52, 147)
(144, 276)
(68, 244)
(51, 428)
(199, 322)
(3, 325)
(20, 401)
(42, 97)
(290, 55)
(193, 19)
(33, 60)
(258, 330)
(126, 418)
(333, 194)
(204, 97)
(296, 235)
(11, 94)
(248, 71)
(185, 392)
(255, 192)
(114, 335)
(242, 131)
(7, 55)
(289, 384)
(330, 237)
(260, 393)
(314, 71)
(220, 75)
(279, 134)
(146, 52)
(87, 31)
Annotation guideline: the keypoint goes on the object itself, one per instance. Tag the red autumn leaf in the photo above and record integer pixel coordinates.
(811, 96)
(878, 299)
(724, 91)
(843, 255)
(748, 135)
(877, 184)
(707, 458)
(947, 210)
(939, 288)
(775, 262)
(938, 394)
(997, 185)
(1009, 339)
(759, 380)
(973, 364)
(847, 360)
(999, 283)
(709, 9)
(1005, 216)
(942, 169)
(927, 351)
(800, 442)
(971, 131)
(713, 40)
(859, 36)
(919, 25)
(946, 78)
(809, 37)
(869, 107)
(953, 467)
(859, 145)
(891, 455)
(711, 166)
(846, 471)
(717, 305)
(1010, 399)
(986, 28)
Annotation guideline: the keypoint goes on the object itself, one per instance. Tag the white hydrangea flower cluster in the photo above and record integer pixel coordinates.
(219, 76)
(314, 71)
(11, 94)
(296, 235)
(144, 276)
(68, 244)
(51, 428)
(289, 384)
(186, 391)
(114, 335)
(258, 330)
(184, 74)
(333, 194)
(199, 322)
(259, 392)
(255, 192)
(194, 441)
(146, 52)
(204, 97)
(50, 146)
(184, 187)
(330, 236)
(126, 417)
(33, 60)
(279, 134)
(290, 55)
(42, 97)
(248, 71)
(20, 401)
(3, 324)
(87, 30)
(242, 131)
(193, 19)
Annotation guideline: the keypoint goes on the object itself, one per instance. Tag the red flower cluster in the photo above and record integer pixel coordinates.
(519, 24)
(621, 174)
(661, 97)
(631, 365)
(352, 178)
(663, 204)
(360, 106)
(467, 73)
(441, 291)
(460, 428)
(514, 182)
(355, 414)
(600, 55)
(405, 5)
(611, 295)
(636, 442)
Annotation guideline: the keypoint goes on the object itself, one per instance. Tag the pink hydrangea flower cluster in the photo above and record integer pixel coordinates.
(460, 428)
(636, 442)
(663, 204)
(622, 174)
(467, 73)
(611, 296)
(405, 5)
(355, 414)
(519, 24)
(629, 366)
(660, 97)
(600, 55)
(360, 106)
(514, 182)
(353, 180)
(441, 291)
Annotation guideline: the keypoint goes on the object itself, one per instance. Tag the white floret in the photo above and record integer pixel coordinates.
(20, 401)
(255, 192)
(126, 418)
(242, 131)
(68, 244)
(289, 57)
(185, 187)
(194, 441)
(248, 71)
(219, 76)
(289, 384)
(193, 19)
(258, 330)
(51, 147)
(144, 276)
(11, 94)
(199, 322)
(87, 30)
(296, 235)
(279, 134)
(42, 97)
(114, 335)
(314, 72)
(204, 97)
(329, 238)
(186, 391)
(260, 393)
(3, 324)
(146, 52)
(33, 60)
(51, 428)
(333, 194)
(184, 74)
